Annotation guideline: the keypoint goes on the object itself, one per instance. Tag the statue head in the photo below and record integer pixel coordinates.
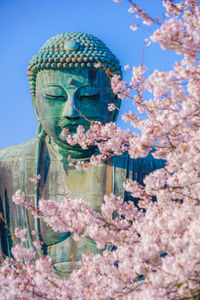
(70, 83)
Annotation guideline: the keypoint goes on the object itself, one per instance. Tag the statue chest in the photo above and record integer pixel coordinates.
(90, 186)
(58, 176)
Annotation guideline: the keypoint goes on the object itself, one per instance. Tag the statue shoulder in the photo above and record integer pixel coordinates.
(148, 162)
(18, 151)
(141, 167)
(137, 169)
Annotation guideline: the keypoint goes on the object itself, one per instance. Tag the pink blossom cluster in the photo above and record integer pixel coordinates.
(181, 35)
(160, 244)
(31, 280)
(20, 199)
(120, 87)
(107, 137)
(175, 9)
(140, 13)
(21, 253)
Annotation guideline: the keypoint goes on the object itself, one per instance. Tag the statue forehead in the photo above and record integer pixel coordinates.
(73, 78)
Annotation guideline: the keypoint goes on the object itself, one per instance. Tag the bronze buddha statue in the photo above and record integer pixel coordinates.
(67, 90)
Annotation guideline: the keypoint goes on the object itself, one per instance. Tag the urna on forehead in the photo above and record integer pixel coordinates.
(72, 50)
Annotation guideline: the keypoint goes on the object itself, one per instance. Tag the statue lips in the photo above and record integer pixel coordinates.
(68, 123)
(73, 123)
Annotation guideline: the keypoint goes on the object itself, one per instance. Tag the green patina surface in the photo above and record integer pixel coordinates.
(67, 91)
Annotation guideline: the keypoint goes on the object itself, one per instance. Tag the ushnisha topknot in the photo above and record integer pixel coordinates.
(69, 51)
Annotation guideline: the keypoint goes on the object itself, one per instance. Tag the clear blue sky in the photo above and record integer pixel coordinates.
(26, 24)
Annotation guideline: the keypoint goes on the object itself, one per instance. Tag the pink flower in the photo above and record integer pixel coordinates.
(19, 197)
(111, 106)
(134, 27)
(126, 67)
(37, 244)
(70, 164)
(97, 65)
(35, 179)
(65, 132)
(33, 232)
(21, 234)
(22, 254)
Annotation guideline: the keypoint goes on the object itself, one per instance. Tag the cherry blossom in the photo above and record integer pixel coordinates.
(111, 107)
(35, 179)
(21, 234)
(21, 253)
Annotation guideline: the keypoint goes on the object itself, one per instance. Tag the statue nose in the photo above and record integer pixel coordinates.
(69, 109)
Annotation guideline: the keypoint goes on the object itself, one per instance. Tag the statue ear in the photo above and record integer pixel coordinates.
(35, 107)
(40, 131)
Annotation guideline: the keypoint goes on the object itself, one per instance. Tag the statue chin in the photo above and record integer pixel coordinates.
(61, 147)
(75, 151)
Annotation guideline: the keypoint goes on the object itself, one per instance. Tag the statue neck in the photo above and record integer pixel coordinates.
(75, 152)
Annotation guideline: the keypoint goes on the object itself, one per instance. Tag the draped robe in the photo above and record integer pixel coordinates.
(19, 163)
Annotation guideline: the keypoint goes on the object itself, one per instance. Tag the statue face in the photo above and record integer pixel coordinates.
(68, 98)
